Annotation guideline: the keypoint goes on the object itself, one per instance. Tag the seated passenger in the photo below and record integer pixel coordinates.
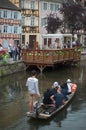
(69, 85)
(66, 88)
(46, 99)
(48, 93)
(54, 88)
(58, 98)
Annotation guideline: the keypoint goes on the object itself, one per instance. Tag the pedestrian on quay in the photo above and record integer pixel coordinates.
(10, 51)
(19, 51)
(33, 89)
(1, 48)
(14, 52)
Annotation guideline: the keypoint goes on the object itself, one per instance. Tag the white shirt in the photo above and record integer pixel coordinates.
(1, 48)
(32, 84)
(69, 87)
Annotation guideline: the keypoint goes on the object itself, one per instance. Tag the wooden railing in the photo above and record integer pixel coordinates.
(50, 56)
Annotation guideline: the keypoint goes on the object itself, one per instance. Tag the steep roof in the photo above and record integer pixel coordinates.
(6, 4)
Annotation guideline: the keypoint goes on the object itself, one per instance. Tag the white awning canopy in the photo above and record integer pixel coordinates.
(56, 35)
(59, 36)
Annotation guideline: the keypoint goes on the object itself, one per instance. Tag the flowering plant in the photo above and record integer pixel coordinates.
(46, 54)
(29, 54)
(2, 54)
(37, 54)
(55, 53)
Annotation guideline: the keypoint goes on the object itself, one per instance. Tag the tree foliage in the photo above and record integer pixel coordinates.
(53, 23)
(84, 22)
(73, 14)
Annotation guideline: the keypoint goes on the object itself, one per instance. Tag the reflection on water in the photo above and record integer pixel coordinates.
(14, 100)
(11, 99)
(11, 89)
(56, 121)
(11, 92)
(60, 117)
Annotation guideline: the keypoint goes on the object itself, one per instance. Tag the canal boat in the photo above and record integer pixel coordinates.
(45, 112)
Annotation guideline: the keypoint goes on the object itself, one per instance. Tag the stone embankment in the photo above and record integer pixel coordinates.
(83, 55)
(11, 67)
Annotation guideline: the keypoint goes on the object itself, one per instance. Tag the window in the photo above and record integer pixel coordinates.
(5, 13)
(44, 6)
(0, 13)
(5, 43)
(52, 7)
(32, 21)
(23, 38)
(57, 7)
(32, 5)
(23, 21)
(15, 15)
(22, 3)
(15, 29)
(45, 41)
(5, 29)
(44, 21)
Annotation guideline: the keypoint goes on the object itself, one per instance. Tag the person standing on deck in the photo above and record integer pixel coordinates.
(32, 84)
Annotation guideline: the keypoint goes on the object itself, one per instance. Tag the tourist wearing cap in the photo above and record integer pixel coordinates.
(49, 92)
(54, 88)
(55, 84)
(66, 87)
(69, 85)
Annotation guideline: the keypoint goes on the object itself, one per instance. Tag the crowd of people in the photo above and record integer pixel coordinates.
(14, 51)
(57, 95)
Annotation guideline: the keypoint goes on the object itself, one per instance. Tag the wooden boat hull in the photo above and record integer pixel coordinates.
(45, 112)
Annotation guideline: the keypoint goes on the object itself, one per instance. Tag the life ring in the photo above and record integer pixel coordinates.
(73, 87)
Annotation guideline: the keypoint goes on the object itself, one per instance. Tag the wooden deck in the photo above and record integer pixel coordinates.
(44, 58)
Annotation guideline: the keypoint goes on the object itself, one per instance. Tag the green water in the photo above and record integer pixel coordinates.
(14, 100)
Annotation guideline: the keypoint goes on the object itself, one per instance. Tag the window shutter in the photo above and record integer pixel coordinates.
(2, 30)
(12, 15)
(2, 13)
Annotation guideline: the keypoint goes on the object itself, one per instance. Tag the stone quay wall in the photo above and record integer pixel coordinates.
(10, 68)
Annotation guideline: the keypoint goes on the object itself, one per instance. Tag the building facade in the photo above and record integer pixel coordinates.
(30, 22)
(16, 2)
(47, 7)
(81, 34)
(34, 19)
(10, 24)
